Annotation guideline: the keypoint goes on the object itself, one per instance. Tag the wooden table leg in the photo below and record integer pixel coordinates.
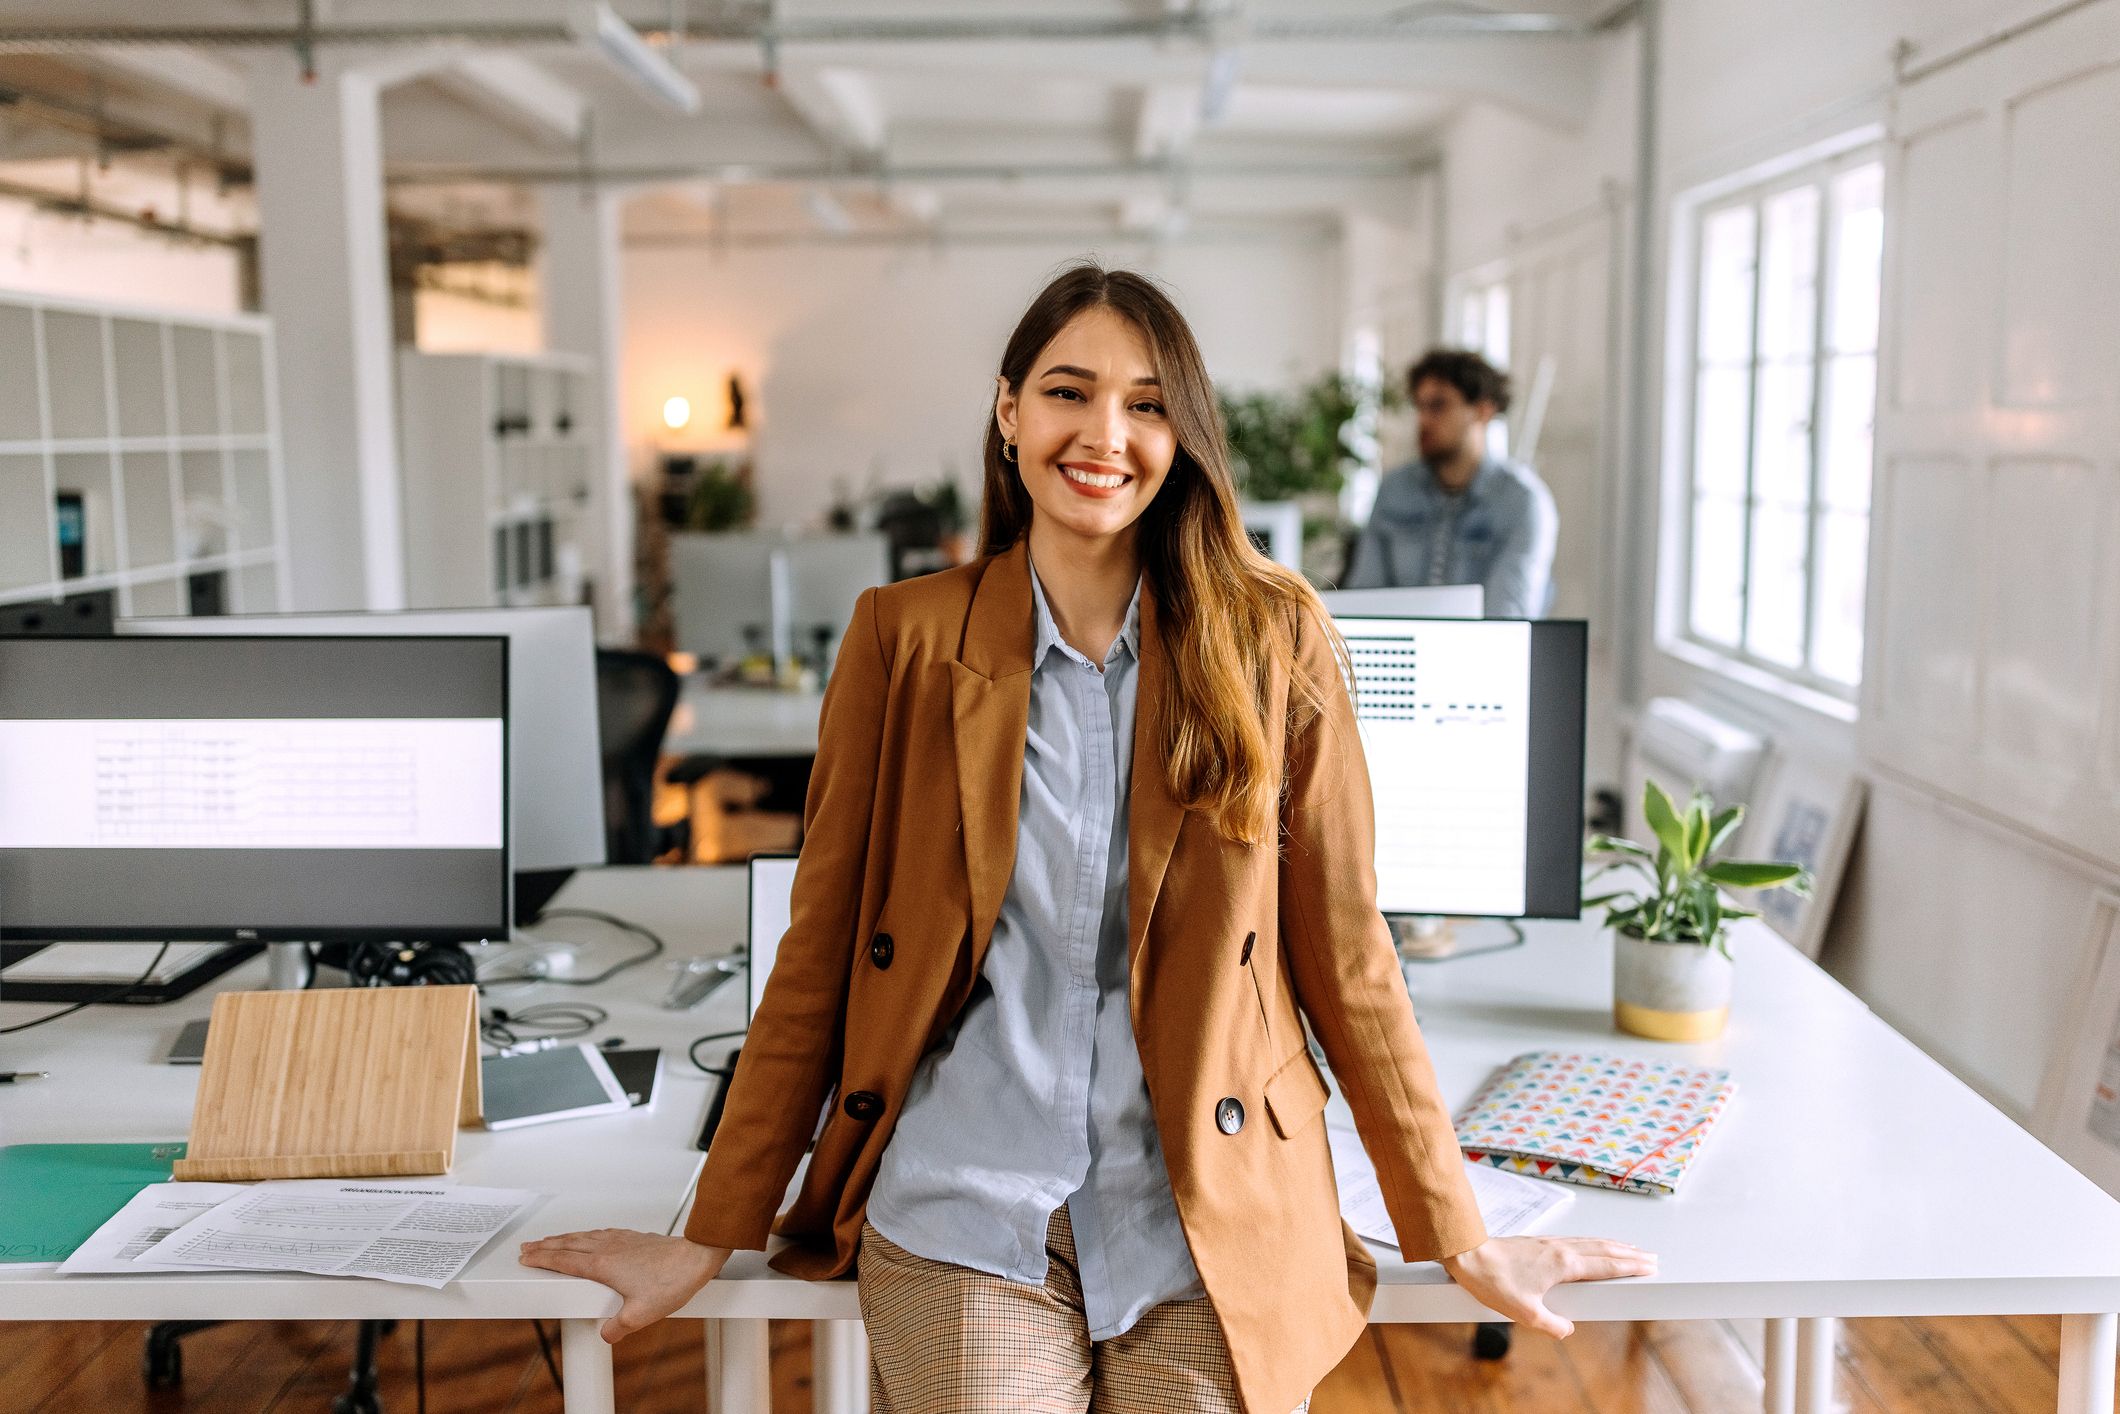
(1814, 1364)
(840, 1356)
(585, 1368)
(2087, 1358)
(739, 1367)
(1781, 1366)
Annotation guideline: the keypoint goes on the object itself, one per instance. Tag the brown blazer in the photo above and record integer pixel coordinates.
(910, 840)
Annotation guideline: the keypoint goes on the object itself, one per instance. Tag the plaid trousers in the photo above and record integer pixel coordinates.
(945, 1339)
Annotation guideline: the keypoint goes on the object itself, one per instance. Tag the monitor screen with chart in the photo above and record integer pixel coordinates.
(253, 789)
(1473, 730)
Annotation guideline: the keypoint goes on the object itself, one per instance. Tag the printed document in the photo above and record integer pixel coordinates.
(154, 1213)
(424, 1233)
(1509, 1202)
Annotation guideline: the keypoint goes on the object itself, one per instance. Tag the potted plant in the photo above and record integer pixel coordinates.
(1671, 959)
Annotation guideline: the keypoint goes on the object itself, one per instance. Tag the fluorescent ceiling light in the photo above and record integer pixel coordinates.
(599, 27)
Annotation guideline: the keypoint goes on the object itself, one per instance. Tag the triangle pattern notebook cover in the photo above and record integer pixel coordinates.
(1601, 1121)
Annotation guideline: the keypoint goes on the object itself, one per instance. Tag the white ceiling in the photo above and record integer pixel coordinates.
(914, 115)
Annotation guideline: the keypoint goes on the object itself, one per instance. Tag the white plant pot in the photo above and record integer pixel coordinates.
(1669, 991)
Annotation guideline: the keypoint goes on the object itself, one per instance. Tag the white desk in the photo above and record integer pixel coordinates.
(1784, 1216)
(742, 721)
(1851, 1176)
(632, 1170)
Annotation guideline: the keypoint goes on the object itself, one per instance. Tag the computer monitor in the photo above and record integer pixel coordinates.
(253, 789)
(555, 769)
(1473, 730)
(1422, 601)
(721, 585)
(772, 888)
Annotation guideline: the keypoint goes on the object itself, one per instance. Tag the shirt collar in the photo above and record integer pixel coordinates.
(1472, 489)
(1046, 633)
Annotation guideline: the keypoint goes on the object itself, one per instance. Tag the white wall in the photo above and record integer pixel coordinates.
(1991, 728)
(866, 361)
(110, 262)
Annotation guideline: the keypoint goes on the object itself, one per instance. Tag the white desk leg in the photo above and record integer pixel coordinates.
(585, 1369)
(1814, 1364)
(1781, 1366)
(739, 1367)
(2087, 1357)
(840, 1354)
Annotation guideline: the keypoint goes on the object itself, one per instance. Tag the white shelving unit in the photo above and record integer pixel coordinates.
(500, 482)
(163, 425)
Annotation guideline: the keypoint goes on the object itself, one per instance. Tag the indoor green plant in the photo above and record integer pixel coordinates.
(1670, 934)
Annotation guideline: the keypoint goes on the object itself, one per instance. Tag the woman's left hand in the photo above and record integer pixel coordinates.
(1511, 1275)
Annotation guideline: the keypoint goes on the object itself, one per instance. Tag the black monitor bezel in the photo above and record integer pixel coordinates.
(303, 933)
(1572, 634)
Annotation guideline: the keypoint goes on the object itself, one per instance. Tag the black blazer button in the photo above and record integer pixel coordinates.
(1229, 1115)
(863, 1104)
(880, 950)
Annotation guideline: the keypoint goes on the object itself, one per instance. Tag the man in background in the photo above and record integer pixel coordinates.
(1458, 515)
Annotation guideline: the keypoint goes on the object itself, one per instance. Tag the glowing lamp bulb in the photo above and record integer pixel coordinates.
(676, 413)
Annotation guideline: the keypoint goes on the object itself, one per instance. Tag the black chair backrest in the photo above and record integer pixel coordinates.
(635, 695)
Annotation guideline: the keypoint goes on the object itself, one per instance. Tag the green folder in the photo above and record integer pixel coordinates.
(54, 1196)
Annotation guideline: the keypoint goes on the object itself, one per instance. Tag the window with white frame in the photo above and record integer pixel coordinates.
(1483, 327)
(1783, 399)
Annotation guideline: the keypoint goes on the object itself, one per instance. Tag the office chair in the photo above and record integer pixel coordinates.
(635, 695)
(162, 1362)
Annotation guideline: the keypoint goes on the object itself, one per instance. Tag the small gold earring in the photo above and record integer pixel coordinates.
(1008, 450)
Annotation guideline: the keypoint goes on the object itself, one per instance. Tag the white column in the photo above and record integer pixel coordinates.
(578, 277)
(324, 267)
(2088, 1347)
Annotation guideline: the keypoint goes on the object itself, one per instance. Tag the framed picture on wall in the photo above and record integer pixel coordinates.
(2078, 1114)
(1808, 814)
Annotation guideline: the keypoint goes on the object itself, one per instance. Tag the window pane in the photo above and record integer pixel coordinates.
(1850, 431)
(1774, 603)
(1718, 569)
(1858, 257)
(1781, 465)
(1836, 628)
(1469, 312)
(1788, 275)
(1496, 343)
(1726, 249)
(1719, 432)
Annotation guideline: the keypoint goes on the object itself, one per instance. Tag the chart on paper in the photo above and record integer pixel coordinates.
(1444, 709)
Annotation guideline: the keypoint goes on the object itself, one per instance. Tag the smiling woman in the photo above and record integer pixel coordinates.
(1073, 1142)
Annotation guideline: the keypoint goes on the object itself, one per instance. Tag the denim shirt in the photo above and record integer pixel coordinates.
(1038, 1096)
(1498, 532)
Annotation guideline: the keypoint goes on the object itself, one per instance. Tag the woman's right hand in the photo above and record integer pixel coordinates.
(1510, 1276)
(654, 1273)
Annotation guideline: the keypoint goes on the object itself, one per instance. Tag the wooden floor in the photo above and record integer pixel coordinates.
(1886, 1366)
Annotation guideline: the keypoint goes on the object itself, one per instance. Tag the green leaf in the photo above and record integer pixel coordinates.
(1720, 827)
(1608, 844)
(1696, 832)
(1663, 820)
(1747, 874)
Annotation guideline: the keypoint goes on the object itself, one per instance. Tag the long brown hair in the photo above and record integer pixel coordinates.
(1226, 614)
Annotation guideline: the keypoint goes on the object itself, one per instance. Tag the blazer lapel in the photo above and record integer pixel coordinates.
(1153, 814)
(990, 705)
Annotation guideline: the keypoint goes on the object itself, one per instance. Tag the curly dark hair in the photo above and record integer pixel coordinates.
(1464, 370)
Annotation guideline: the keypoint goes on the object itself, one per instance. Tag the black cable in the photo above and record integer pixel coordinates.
(545, 1346)
(563, 1021)
(692, 1052)
(419, 1361)
(115, 992)
(655, 949)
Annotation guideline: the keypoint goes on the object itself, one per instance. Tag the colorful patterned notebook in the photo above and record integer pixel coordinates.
(1602, 1121)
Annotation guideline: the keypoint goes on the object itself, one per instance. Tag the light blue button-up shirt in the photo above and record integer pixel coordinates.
(1498, 532)
(1038, 1097)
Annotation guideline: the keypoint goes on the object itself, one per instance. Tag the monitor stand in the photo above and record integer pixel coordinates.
(1427, 937)
(289, 967)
